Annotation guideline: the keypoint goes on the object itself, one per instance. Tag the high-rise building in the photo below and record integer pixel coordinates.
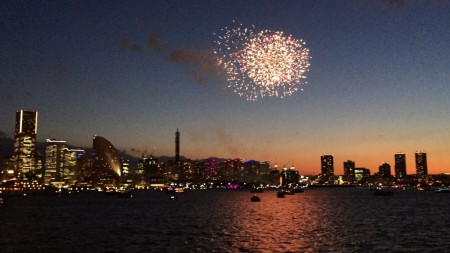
(384, 170)
(106, 168)
(349, 171)
(72, 165)
(327, 166)
(54, 161)
(400, 165)
(421, 164)
(25, 143)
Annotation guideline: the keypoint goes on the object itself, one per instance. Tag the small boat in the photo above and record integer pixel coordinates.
(280, 194)
(255, 198)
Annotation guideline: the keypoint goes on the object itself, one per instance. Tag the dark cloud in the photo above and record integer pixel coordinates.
(154, 41)
(200, 63)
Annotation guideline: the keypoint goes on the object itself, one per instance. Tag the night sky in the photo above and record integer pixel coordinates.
(379, 80)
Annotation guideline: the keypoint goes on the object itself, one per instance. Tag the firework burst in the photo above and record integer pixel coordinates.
(260, 64)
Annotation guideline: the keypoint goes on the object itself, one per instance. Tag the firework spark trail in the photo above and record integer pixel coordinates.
(266, 63)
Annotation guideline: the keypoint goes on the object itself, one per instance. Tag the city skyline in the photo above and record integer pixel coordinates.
(26, 123)
(377, 84)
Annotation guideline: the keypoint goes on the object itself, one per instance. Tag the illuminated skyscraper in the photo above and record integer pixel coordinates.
(72, 165)
(25, 143)
(349, 171)
(54, 161)
(327, 166)
(400, 165)
(421, 164)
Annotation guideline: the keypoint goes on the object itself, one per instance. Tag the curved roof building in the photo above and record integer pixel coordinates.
(106, 158)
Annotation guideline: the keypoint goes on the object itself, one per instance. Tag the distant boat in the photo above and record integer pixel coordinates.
(255, 198)
(280, 194)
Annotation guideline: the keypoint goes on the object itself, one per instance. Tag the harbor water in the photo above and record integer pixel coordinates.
(318, 220)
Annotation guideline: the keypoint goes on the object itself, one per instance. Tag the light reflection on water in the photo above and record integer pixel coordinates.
(318, 220)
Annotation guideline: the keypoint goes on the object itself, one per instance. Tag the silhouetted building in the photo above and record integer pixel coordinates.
(349, 171)
(421, 164)
(289, 177)
(327, 166)
(107, 164)
(400, 165)
(148, 172)
(25, 144)
(384, 170)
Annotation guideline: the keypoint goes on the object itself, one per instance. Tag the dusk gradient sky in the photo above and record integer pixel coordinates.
(379, 80)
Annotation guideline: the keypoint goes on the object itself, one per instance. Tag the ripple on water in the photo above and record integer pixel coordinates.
(319, 220)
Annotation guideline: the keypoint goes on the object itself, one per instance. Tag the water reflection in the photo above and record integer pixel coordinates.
(318, 220)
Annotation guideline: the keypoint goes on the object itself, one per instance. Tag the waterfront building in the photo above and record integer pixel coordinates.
(349, 171)
(400, 165)
(327, 165)
(384, 170)
(231, 169)
(54, 161)
(24, 158)
(211, 166)
(289, 176)
(72, 165)
(106, 168)
(361, 174)
(421, 164)
(148, 172)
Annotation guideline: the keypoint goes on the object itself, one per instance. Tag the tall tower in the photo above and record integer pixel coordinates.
(421, 164)
(327, 166)
(25, 143)
(177, 147)
(54, 161)
(400, 165)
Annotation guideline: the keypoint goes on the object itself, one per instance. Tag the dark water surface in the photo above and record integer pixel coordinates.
(318, 220)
